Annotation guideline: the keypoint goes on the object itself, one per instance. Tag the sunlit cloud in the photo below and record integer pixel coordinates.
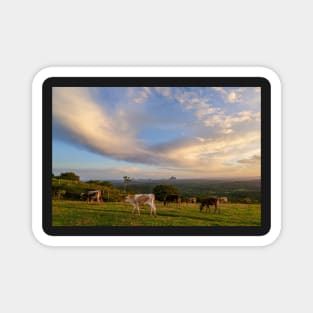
(225, 123)
(220, 89)
(139, 94)
(164, 91)
(232, 97)
(255, 159)
(213, 142)
(81, 121)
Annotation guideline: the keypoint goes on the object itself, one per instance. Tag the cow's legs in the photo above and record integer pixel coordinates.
(217, 208)
(153, 210)
(138, 209)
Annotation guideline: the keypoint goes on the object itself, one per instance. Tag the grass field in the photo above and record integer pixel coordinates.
(78, 213)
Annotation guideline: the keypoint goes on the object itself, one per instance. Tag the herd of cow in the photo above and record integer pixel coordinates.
(138, 200)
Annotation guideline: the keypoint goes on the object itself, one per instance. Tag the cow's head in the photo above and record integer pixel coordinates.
(129, 198)
(223, 199)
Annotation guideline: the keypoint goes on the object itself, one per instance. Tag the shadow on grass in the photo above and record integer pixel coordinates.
(146, 212)
(204, 218)
(101, 210)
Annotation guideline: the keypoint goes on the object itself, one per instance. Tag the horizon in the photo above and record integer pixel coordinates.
(157, 132)
(133, 179)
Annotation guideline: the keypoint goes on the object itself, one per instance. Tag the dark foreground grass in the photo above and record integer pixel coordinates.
(78, 213)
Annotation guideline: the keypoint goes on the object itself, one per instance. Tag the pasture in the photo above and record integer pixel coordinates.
(80, 213)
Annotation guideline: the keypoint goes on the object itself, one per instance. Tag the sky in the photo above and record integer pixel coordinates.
(156, 132)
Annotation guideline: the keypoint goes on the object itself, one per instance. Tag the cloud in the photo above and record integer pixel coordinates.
(243, 95)
(205, 110)
(232, 97)
(220, 89)
(164, 91)
(255, 159)
(209, 153)
(225, 123)
(200, 106)
(80, 120)
(139, 94)
(228, 95)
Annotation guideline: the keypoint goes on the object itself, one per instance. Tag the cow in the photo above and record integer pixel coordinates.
(91, 195)
(141, 199)
(171, 198)
(192, 200)
(210, 201)
(223, 199)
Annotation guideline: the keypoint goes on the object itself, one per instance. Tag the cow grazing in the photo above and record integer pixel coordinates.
(171, 198)
(89, 196)
(141, 199)
(206, 202)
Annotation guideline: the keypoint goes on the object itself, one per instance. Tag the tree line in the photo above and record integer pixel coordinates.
(68, 186)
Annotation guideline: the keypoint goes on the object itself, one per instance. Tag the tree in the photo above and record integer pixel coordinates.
(100, 182)
(69, 176)
(161, 191)
(127, 180)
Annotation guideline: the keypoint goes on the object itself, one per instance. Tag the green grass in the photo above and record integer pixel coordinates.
(78, 213)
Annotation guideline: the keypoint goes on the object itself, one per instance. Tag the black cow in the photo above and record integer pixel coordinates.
(206, 202)
(171, 198)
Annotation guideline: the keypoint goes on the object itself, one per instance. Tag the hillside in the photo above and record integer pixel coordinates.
(235, 190)
(71, 189)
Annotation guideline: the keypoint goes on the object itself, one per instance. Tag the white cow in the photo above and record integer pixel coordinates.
(141, 199)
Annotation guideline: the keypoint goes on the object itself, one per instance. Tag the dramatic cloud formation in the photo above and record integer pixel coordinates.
(159, 132)
(83, 122)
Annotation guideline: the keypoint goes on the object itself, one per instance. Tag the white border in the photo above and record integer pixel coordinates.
(45, 239)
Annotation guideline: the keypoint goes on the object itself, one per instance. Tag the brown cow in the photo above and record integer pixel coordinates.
(172, 198)
(206, 202)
